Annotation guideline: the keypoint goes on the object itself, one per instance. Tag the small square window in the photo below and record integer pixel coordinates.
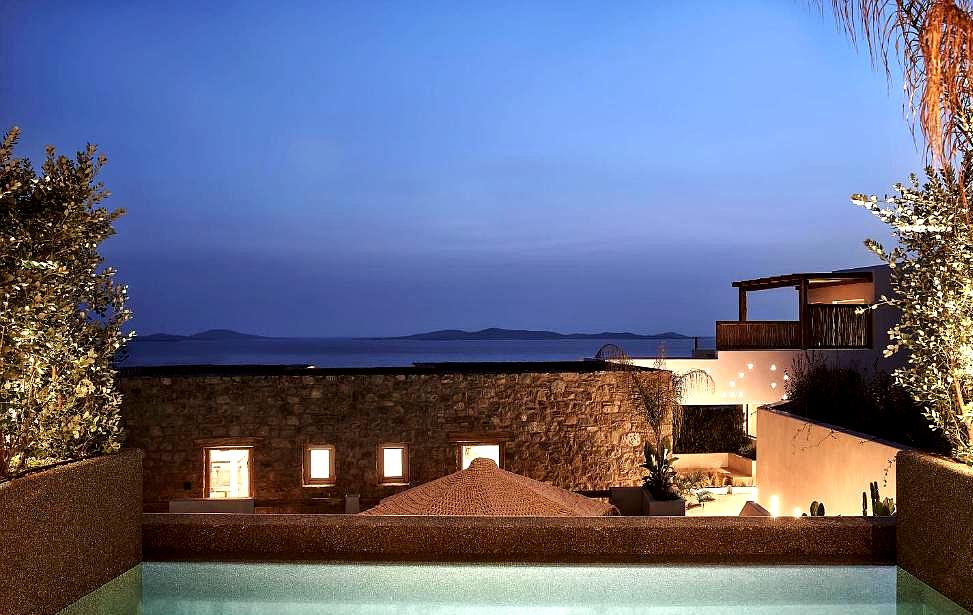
(393, 464)
(319, 465)
(228, 473)
(472, 450)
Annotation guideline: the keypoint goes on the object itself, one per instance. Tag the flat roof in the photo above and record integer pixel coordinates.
(813, 279)
(487, 367)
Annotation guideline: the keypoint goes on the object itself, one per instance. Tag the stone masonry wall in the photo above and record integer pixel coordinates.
(565, 423)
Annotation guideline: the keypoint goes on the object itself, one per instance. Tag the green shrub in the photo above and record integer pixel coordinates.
(868, 401)
(931, 280)
(714, 429)
(62, 312)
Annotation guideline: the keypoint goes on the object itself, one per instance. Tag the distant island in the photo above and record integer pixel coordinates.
(210, 335)
(495, 333)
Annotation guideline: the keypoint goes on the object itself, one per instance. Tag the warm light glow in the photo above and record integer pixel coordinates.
(473, 451)
(797, 512)
(392, 459)
(786, 376)
(773, 367)
(229, 472)
(320, 463)
(773, 385)
(774, 506)
(733, 384)
(740, 375)
(749, 365)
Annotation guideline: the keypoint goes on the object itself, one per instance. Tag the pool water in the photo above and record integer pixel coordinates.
(478, 589)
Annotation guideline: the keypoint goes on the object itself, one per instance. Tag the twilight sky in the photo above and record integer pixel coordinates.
(367, 168)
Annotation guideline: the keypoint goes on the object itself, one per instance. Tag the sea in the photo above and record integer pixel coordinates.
(365, 352)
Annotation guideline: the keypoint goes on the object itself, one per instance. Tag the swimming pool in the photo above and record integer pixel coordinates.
(477, 589)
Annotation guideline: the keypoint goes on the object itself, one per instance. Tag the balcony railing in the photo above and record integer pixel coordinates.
(825, 326)
(757, 334)
(838, 326)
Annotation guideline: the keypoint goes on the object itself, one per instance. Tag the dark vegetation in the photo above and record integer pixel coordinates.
(868, 401)
(714, 429)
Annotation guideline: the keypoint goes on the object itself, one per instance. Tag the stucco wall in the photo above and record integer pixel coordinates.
(66, 531)
(861, 291)
(799, 461)
(935, 523)
(564, 423)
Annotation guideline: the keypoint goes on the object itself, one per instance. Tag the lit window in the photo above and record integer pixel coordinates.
(319, 465)
(228, 473)
(393, 463)
(470, 452)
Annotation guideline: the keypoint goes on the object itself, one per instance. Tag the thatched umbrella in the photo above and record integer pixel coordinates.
(484, 490)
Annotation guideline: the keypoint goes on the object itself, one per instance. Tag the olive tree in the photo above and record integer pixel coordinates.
(61, 312)
(931, 271)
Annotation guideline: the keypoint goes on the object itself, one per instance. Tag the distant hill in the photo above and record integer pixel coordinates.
(495, 333)
(160, 337)
(210, 335)
(224, 334)
(492, 333)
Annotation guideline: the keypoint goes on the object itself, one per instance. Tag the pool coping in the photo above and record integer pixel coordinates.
(337, 538)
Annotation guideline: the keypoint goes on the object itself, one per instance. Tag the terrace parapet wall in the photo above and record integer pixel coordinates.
(68, 530)
(801, 461)
(935, 523)
(569, 424)
(519, 539)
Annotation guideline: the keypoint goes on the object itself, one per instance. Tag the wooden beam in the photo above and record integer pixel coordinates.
(802, 303)
(743, 305)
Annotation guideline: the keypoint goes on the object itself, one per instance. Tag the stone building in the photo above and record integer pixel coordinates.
(302, 439)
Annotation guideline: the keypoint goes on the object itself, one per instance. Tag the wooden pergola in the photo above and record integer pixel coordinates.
(818, 325)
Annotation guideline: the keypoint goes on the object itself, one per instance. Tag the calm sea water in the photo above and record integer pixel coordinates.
(350, 352)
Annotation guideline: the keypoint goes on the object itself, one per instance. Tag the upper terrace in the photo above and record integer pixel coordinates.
(828, 318)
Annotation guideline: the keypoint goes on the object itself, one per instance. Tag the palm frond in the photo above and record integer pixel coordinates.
(932, 42)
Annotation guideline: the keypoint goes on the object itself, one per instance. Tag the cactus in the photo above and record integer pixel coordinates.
(881, 507)
(817, 509)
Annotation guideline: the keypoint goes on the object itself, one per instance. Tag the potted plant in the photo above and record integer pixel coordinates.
(662, 488)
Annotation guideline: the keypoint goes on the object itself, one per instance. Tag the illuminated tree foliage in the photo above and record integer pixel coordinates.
(932, 287)
(61, 312)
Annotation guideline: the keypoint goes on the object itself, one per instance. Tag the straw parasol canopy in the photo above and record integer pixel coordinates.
(484, 490)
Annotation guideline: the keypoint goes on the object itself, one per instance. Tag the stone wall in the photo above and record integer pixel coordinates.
(564, 423)
(67, 531)
(935, 523)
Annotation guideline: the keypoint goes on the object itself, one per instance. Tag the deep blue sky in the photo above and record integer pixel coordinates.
(369, 168)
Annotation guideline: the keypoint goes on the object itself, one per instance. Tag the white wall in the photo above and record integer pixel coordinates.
(861, 291)
(799, 462)
(763, 375)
